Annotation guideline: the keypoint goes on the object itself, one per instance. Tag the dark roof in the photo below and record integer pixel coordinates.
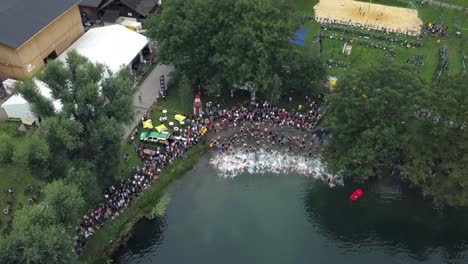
(22, 19)
(142, 7)
(110, 15)
(90, 3)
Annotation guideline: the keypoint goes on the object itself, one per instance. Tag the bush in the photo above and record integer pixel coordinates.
(6, 149)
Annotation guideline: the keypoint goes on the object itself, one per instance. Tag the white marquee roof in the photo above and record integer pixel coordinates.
(114, 46)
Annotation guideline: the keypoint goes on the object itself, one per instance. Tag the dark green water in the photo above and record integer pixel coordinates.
(294, 219)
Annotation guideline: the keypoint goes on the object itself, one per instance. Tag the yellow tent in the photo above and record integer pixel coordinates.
(148, 124)
(161, 128)
(179, 118)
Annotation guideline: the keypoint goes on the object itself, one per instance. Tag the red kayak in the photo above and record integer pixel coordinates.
(356, 195)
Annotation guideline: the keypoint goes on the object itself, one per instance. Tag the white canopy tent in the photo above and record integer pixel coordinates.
(114, 46)
(16, 107)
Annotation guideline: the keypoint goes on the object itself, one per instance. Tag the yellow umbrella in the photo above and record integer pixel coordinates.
(332, 84)
(179, 118)
(161, 128)
(148, 124)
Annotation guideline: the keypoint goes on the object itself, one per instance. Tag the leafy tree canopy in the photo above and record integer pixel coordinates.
(82, 174)
(228, 43)
(33, 153)
(36, 238)
(96, 105)
(385, 120)
(64, 200)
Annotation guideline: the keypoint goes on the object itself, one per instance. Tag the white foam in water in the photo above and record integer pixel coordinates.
(262, 161)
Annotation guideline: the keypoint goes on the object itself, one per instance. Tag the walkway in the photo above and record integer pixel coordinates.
(149, 91)
(446, 5)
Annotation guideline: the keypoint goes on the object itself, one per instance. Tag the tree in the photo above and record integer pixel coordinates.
(386, 121)
(64, 200)
(33, 153)
(42, 106)
(90, 94)
(304, 73)
(36, 238)
(63, 138)
(105, 146)
(251, 48)
(275, 91)
(6, 149)
(370, 116)
(82, 175)
(437, 155)
(185, 91)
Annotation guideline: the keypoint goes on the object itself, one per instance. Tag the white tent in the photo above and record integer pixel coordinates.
(9, 85)
(16, 107)
(114, 46)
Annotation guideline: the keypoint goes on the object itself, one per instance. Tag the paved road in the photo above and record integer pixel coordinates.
(149, 91)
(451, 6)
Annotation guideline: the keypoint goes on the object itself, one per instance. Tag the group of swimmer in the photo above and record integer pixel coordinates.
(259, 127)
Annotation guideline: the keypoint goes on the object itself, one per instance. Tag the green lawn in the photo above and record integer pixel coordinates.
(18, 179)
(362, 55)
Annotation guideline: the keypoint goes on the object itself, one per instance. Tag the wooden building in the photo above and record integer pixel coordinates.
(34, 31)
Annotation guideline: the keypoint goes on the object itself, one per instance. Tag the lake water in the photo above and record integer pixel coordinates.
(290, 218)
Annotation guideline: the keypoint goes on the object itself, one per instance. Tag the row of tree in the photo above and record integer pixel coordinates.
(236, 43)
(76, 152)
(386, 121)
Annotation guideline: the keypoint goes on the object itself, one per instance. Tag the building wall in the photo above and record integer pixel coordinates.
(8, 56)
(58, 36)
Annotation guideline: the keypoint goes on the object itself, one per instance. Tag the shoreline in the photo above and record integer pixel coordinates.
(115, 234)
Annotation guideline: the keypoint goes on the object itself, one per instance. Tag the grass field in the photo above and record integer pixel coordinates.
(362, 55)
(17, 179)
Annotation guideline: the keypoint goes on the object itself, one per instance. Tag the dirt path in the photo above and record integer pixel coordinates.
(149, 91)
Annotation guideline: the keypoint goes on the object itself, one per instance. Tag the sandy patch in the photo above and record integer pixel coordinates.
(373, 16)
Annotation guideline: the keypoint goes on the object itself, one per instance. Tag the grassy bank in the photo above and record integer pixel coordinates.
(109, 238)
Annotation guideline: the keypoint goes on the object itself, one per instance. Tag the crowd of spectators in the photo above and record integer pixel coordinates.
(119, 196)
(437, 30)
